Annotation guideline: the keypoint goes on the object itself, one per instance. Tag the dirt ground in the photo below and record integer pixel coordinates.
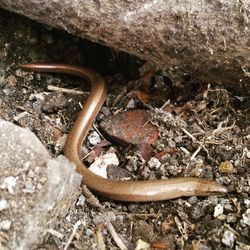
(215, 145)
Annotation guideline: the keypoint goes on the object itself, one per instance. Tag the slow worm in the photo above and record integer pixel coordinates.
(132, 191)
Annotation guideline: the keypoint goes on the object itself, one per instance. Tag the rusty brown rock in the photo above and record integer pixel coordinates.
(130, 127)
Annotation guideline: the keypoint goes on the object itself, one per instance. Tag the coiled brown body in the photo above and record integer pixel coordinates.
(134, 191)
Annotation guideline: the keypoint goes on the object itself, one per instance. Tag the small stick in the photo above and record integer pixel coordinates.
(117, 111)
(188, 134)
(55, 233)
(78, 223)
(115, 236)
(26, 109)
(100, 240)
(195, 153)
(65, 90)
(182, 227)
(98, 131)
(165, 104)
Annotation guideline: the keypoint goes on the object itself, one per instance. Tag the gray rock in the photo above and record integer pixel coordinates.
(53, 185)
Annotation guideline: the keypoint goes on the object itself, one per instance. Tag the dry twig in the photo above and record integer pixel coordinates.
(77, 224)
(115, 236)
(65, 90)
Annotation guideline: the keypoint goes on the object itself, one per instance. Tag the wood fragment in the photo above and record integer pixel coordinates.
(55, 233)
(115, 236)
(65, 90)
(100, 240)
(77, 224)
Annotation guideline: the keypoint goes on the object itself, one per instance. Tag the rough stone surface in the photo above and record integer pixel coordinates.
(203, 39)
(35, 190)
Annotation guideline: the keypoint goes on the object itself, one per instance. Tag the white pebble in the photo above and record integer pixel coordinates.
(218, 210)
(37, 96)
(81, 200)
(88, 232)
(140, 245)
(94, 138)
(21, 115)
(9, 183)
(99, 166)
(247, 153)
(110, 159)
(131, 104)
(3, 204)
(154, 163)
(5, 224)
(228, 238)
(246, 217)
(247, 202)
(29, 188)
(28, 184)
(31, 174)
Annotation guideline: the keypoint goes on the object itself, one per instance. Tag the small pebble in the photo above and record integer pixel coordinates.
(29, 188)
(31, 174)
(197, 212)
(116, 172)
(9, 183)
(105, 111)
(185, 151)
(26, 165)
(247, 203)
(110, 216)
(142, 245)
(2, 82)
(178, 139)
(94, 138)
(81, 200)
(196, 172)
(227, 167)
(228, 238)
(88, 232)
(221, 217)
(213, 200)
(99, 166)
(218, 210)
(20, 116)
(247, 153)
(97, 220)
(192, 200)
(227, 205)
(246, 217)
(37, 96)
(3, 204)
(7, 91)
(5, 225)
(39, 186)
(54, 102)
(231, 218)
(131, 104)
(154, 163)
(223, 180)
(28, 184)
(11, 80)
(110, 159)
